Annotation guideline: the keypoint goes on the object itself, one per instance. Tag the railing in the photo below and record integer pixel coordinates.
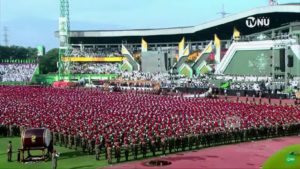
(16, 61)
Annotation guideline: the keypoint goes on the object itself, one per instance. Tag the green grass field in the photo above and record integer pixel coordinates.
(69, 159)
(283, 160)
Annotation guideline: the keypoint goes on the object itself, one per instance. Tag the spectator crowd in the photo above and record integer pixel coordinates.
(17, 72)
(94, 52)
(94, 68)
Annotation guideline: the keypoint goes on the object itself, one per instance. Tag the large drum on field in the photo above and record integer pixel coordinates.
(36, 138)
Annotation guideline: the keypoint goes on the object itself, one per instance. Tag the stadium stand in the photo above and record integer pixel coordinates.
(94, 52)
(95, 68)
(17, 72)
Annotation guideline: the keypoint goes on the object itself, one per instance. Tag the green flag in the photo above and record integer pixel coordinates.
(225, 85)
(291, 158)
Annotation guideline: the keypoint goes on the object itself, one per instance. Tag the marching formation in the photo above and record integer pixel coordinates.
(137, 124)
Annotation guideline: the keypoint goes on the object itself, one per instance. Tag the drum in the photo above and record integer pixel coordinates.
(36, 138)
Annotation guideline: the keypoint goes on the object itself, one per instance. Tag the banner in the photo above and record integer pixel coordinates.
(144, 45)
(63, 84)
(236, 34)
(181, 47)
(89, 59)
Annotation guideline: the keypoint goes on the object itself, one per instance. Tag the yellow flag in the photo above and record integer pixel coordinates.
(217, 41)
(144, 45)
(236, 33)
(181, 47)
(217, 49)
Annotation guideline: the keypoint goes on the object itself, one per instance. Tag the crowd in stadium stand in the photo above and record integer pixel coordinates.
(256, 82)
(167, 80)
(135, 75)
(95, 68)
(242, 78)
(97, 52)
(17, 72)
(140, 123)
(295, 83)
(244, 86)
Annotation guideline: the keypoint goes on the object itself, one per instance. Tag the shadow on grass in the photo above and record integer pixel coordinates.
(72, 154)
(83, 166)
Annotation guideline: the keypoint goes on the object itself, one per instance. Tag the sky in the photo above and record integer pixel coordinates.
(33, 22)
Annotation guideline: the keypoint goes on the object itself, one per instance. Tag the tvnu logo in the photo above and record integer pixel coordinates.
(252, 22)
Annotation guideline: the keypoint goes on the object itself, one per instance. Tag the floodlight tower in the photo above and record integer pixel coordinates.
(223, 12)
(0, 16)
(273, 2)
(5, 35)
(64, 33)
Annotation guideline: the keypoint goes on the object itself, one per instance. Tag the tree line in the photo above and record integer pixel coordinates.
(17, 52)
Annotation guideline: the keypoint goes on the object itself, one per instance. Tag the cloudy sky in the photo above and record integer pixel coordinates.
(33, 22)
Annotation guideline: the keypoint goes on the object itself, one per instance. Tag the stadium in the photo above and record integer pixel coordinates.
(182, 97)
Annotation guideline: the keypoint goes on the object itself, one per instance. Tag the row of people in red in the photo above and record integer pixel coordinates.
(130, 117)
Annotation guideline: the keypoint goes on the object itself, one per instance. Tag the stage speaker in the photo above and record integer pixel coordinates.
(166, 60)
(282, 60)
(290, 61)
(158, 63)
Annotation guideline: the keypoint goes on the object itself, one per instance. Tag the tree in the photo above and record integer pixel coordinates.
(17, 52)
(48, 63)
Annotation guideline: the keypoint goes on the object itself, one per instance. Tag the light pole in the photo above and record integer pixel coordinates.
(0, 17)
(64, 33)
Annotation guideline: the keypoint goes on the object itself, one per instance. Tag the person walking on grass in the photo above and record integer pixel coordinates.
(55, 155)
(9, 151)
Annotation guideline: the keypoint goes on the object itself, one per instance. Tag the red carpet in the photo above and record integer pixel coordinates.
(239, 156)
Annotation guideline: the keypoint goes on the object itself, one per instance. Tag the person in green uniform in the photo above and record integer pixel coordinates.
(55, 155)
(126, 150)
(9, 151)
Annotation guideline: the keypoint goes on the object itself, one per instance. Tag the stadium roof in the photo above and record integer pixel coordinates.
(278, 15)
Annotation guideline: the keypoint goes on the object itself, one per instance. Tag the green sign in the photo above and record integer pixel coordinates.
(291, 158)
